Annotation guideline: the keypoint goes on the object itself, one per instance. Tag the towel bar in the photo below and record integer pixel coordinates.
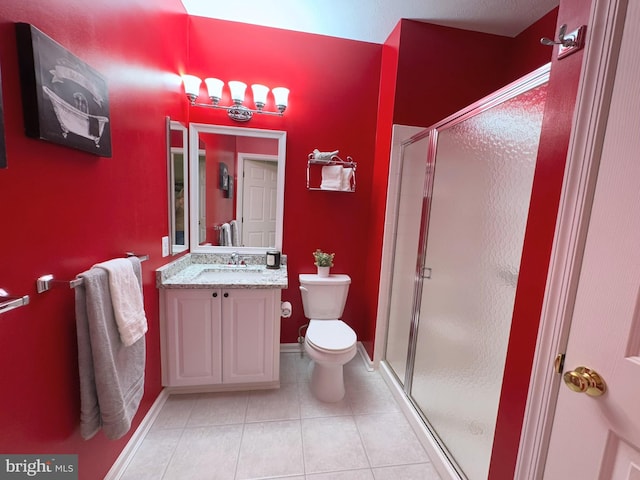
(9, 302)
(46, 282)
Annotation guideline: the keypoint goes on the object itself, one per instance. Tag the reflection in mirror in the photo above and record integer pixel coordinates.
(237, 188)
(178, 187)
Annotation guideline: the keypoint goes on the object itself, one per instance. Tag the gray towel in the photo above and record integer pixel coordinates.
(225, 235)
(235, 235)
(111, 374)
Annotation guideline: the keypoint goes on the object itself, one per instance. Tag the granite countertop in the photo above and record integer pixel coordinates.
(201, 271)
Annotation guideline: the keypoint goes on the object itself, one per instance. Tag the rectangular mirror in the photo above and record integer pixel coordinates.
(237, 188)
(177, 187)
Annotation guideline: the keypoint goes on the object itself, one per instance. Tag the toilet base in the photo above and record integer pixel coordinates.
(327, 382)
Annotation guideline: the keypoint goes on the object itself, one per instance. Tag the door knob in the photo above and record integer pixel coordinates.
(585, 380)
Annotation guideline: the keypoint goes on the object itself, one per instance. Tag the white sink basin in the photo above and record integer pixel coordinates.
(221, 275)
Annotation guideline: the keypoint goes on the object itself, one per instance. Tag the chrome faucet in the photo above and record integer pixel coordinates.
(234, 258)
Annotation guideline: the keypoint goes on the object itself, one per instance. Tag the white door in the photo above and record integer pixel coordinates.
(598, 437)
(259, 199)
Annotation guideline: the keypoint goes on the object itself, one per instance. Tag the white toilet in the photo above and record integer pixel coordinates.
(329, 342)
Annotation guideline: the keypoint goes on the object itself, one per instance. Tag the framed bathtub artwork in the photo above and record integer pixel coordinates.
(223, 177)
(64, 100)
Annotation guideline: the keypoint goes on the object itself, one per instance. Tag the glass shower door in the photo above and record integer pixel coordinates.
(413, 169)
(484, 166)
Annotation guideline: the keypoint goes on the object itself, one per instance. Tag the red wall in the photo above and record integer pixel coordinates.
(442, 70)
(538, 241)
(332, 106)
(219, 210)
(64, 210)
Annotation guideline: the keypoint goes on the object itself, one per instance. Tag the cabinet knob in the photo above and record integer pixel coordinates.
(214, 294)
(225, 294)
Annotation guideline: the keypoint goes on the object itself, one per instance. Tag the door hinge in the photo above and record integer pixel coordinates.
(558, 363)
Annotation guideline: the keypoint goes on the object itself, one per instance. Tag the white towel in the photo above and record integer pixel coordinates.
(225, 234)
(347, 175)
(331, 177)
(126, 297)
(235, 237)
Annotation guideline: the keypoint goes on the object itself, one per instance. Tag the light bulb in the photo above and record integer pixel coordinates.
(237, 91)
(214, 88)
(191, 86)
(259, 95)
(281, 95)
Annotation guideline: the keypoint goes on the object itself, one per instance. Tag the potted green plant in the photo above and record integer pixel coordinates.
(324, 262)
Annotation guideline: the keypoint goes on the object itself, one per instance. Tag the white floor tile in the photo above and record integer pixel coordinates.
(289, 365)
(153, 455)
(372, 396)
(284, 433)
(345, 475)
(207, 453)
(219, 409)
(332, 444)
(422, 471)
(275, 404)
(356, 372)
(389, 440)
(175, 411)
(270, 449)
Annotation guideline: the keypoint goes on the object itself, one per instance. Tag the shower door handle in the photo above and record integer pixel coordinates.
(426, 272)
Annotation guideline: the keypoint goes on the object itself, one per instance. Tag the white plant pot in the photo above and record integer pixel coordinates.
(323, 271)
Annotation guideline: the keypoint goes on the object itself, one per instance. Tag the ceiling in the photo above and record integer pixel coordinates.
(373, 20)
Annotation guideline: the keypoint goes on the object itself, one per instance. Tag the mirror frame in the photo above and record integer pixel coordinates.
(194, 130)
(175, 248)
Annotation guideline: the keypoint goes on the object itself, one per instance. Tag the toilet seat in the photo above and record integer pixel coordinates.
(331, 336)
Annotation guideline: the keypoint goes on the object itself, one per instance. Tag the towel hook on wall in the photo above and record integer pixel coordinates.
(568, 43)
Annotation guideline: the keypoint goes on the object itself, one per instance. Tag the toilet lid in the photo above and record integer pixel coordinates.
(333, 335)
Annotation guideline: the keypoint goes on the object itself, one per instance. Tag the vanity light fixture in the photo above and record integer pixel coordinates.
(237, 111)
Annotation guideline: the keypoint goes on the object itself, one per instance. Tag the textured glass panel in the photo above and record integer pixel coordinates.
(482, 185)
(414, 165)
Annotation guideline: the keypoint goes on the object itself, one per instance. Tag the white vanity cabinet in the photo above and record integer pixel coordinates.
(225, 337)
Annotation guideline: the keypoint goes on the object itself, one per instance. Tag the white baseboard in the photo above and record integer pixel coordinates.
(437, 456)
(368, 364)
(291, 348)
(130, 449)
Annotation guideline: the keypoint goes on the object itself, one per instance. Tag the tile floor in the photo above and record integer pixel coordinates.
(284, 433)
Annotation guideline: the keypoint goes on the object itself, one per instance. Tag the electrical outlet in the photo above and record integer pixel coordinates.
(165, 246)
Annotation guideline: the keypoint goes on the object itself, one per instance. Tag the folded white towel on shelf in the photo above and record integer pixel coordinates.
(347, 175)
(235, 236)
(225, 234)
(322, 156)
(331, 177)
(126, 298)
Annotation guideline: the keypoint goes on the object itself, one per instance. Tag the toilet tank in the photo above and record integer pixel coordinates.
(324, 298)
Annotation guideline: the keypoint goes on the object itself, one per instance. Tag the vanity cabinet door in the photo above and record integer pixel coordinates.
(251, 335)
(194, 355)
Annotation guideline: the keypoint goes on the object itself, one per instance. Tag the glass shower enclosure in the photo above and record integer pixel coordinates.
(460, 218)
